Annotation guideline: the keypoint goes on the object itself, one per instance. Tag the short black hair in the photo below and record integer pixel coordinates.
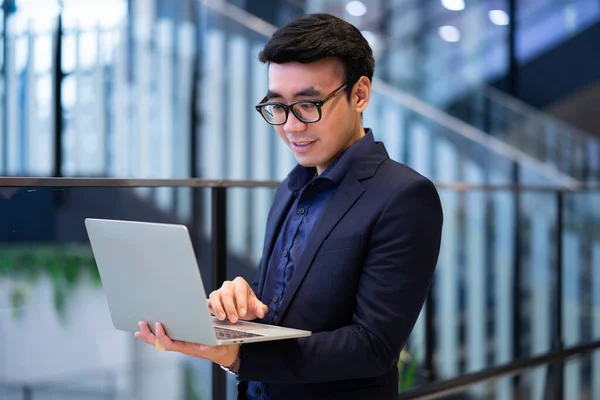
(313, 37)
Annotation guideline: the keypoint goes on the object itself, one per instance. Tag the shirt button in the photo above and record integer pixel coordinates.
(285, 253)
(301, 211)
(275, 299)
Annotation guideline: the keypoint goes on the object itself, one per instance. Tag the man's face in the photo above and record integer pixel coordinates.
(319, 143)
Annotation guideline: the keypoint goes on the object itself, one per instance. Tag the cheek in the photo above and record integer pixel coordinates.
(337, 120)
(281, 132)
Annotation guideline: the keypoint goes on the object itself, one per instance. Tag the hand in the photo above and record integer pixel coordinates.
(223, 355)
(236, 299)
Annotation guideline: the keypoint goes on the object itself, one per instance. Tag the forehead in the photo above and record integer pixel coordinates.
(294, 76)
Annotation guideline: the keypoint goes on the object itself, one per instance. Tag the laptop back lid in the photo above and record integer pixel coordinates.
(150, 270)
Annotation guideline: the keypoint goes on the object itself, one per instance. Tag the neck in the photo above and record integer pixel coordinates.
(360, 133)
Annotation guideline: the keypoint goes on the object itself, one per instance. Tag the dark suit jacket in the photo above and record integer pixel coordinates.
(359, 286)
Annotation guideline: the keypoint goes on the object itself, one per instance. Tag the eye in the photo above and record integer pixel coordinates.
(307, 106)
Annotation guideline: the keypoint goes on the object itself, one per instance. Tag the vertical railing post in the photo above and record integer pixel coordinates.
(557, 336)
(8, 7)
(57, 99)
(27, 393)
(487, 114)
(516, 281)
(554, 387)
(219, 270)
(429, 336)
(513, 64)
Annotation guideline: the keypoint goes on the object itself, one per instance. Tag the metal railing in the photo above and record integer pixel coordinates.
(440, 389)
(434, 388)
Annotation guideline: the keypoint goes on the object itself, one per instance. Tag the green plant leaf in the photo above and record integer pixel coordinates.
(7, 262)
(65, 267)
(408, 379)
(72, 271)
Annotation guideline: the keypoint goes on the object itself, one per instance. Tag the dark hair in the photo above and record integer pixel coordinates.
(313, 37)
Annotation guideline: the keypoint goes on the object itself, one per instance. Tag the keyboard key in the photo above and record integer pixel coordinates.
(224, 334)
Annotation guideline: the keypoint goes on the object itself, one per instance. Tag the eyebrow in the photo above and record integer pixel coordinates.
(306, 92)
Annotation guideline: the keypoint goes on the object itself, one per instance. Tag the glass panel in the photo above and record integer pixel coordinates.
(49, 283)
(545, 139)
(473, 283)
(127, 100)
(446, 52)
(27, 120)
(538, 249)
(575, 386)
(432, 149)
(546, 24)
(231, 147)
(474, 278)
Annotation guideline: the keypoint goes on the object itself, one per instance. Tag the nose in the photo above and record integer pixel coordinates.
(293, 124)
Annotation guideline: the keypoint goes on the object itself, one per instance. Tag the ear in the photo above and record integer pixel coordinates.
(362, 93)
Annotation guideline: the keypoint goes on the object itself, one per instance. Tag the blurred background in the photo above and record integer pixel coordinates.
(494, 100)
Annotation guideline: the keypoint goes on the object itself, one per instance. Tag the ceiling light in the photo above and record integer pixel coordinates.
(449, 33)
(499, 17)
(454, 5)
(356, 8)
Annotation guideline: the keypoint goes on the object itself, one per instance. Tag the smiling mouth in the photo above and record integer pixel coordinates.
(302, 144)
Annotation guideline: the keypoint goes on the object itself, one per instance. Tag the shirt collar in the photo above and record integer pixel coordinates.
(300, 176)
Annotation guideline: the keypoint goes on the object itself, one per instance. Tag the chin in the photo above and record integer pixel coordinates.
(306, 164)
(305, 161)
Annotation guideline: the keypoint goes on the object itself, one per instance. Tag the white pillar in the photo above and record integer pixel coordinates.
(446, 282)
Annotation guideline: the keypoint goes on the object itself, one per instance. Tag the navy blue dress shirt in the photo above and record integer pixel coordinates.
(311, 198)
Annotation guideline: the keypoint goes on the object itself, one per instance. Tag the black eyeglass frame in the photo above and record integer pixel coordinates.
(290, 107)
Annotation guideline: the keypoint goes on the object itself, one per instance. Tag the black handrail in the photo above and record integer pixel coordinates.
(34, 182)
(460, 384)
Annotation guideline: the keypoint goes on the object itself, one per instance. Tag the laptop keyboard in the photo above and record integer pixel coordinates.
(224, 334)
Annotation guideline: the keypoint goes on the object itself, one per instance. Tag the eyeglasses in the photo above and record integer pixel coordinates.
(306, 111)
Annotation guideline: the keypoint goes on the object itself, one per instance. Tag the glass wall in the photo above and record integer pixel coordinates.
(146, 87)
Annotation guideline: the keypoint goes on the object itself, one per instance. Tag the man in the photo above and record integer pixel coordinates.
(352, 237)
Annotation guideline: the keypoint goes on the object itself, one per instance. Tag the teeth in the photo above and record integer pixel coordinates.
(303, 143)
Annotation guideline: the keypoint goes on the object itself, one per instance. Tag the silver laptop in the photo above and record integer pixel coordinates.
(149, 273)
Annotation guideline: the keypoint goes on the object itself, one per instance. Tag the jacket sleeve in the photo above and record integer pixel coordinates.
(398, 269)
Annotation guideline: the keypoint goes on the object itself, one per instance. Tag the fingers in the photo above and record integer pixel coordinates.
(257, 306)
(217, 305)
(234, 300)
(192, 349)
(148, 337)
(227, 298)
(144, 334)
(163, 342)
(261, 310)
(241, 291)
(219, 354)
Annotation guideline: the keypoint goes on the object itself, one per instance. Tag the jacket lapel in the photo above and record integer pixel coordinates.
(345, 196)
(281, 204)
